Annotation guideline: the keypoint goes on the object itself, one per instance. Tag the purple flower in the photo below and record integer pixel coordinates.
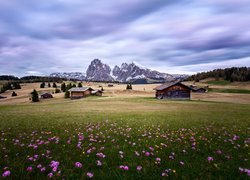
(210, 159)
(139, 168)
(147, 154)
(125, 168)
(99, 163)
(182, 163)
(90, 175)
(6, 173)
(43, 169)
(29, 169)
(50, 175)
(78, 165)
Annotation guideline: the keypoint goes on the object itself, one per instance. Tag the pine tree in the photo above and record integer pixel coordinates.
(63, 87)
(102, 89)
(130, 86)
(57, 90)
(69, 86)
(54, 85)
(67, 94)
(127, 86)
(79, 84)
(49, 85)
(42, 85)
(16, 85)
(74, 85)
(14, 94)
(34, 97)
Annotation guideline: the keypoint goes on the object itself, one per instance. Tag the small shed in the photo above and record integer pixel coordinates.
(173, 90)
(201, 90)
(97, 92)
(46, 96)
(198, 89)
(110, 85)
(80, 92)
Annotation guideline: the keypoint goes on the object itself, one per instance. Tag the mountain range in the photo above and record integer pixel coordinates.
(98, 71)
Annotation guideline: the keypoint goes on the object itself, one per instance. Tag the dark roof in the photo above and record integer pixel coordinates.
(80, 89)
(95, 91)
(169, 84)
(46, 94)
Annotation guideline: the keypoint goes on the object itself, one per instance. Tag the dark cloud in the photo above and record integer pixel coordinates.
(43, 36)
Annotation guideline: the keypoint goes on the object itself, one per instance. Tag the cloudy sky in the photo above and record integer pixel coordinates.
(184, 36)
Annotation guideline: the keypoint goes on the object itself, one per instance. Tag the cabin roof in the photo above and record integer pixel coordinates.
(46, 93)
(95, 91)
(80, 89)
(169, 84)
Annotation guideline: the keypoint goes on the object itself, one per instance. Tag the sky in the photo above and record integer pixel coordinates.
(178, 37)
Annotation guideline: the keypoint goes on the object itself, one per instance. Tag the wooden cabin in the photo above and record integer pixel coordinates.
(173, 90)
(80, 92)
(198, 89)
(97, 92)
(46, 96)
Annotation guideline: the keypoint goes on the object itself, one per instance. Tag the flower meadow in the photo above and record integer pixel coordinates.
(122, 150)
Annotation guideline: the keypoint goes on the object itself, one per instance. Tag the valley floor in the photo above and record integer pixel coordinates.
(130, 137)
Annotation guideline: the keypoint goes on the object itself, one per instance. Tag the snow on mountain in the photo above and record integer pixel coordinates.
(70, 75)
(98, 71)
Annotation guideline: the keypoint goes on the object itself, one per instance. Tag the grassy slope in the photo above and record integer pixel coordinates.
(221, 90)
(142, 115)
(218, 82)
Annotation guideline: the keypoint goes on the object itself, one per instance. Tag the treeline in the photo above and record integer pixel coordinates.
(8, 78)
(229, 74)
(30, 79)
(10, 86)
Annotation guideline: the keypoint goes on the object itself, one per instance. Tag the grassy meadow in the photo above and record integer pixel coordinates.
(125, 138)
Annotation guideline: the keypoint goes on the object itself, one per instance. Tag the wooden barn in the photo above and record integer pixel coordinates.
(198, 89)
(80, 92)
(96, 92)
(173, 90)
(46, 96)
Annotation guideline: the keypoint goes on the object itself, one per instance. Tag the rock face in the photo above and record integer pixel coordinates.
(97, 71)
(131, 72)
(71, 75)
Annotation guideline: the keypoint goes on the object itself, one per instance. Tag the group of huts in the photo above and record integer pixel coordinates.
(168, 90)
(76, 93)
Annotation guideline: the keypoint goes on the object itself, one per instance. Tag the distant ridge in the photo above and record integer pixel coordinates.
(133, 72)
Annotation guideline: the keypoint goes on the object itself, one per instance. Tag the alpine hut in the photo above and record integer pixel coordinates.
(80, 92)
(173, 90)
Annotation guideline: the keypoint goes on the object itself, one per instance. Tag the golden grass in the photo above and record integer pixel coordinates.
(119, 91)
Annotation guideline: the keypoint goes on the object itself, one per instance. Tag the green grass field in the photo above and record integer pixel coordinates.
(218, 82)
(125, 138)
(220, 90)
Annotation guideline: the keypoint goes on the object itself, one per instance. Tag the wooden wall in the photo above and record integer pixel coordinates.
(174, 92)
(80, 94)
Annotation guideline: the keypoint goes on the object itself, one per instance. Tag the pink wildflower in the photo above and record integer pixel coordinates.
(29, 169)
(50, 175)
(139, 168)
(210, 159)
(90, 175)
(78, 165)
(6, 173)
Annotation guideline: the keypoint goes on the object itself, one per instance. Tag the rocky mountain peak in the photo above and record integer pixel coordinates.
(133, 72)
(98, 71)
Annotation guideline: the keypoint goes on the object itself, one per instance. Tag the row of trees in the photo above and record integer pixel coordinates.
(129, 87)
(229, 74)
(10, 86)
(42, 85)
